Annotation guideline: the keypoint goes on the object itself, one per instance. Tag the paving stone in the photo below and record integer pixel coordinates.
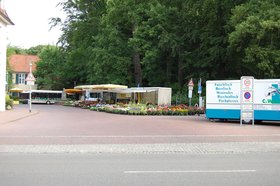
(188, 148)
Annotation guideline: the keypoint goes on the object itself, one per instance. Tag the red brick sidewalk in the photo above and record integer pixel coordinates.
(15, 114)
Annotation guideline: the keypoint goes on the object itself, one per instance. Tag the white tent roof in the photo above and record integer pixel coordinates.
(102, 86)
(133, 90)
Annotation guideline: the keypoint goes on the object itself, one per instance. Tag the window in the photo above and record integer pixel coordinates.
(20, 78)
(95, 95)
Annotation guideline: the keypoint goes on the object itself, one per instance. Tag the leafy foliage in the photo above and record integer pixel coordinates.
(50, 71)
(256, 38)
(162, 42)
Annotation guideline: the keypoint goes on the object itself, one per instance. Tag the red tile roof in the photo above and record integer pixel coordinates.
(20, 63)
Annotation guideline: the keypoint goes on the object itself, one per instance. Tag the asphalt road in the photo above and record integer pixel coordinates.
(139, 169)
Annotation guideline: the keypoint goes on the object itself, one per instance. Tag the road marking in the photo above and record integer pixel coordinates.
(189, 171)
(143, 136)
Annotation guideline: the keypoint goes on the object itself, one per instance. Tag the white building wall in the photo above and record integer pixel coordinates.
(3, 48)
(164, 96)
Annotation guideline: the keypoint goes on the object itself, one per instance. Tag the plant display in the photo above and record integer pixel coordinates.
(143, 109)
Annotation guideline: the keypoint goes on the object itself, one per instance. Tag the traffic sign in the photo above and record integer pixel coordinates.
(247, 95)
(190, 94)
(190, 87)
(247, 99)
(247, 82)
(191, 84)
(30, 77)
(199, 89)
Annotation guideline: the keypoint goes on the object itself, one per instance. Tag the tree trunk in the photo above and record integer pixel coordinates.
(137, 69)
(180, 71)
(168, 70)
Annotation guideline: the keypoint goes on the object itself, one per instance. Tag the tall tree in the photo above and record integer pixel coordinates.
(78, 39)
(50, 71)
(165, 43)
(255, 38)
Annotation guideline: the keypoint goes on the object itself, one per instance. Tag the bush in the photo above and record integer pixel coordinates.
(192, 112)
(15, 98)
(94, 108)
(9, 102)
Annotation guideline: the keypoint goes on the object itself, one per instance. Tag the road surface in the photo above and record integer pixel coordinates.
(139, 169)
(59, 145)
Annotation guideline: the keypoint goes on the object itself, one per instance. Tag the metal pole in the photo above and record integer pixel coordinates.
(30, 103)
(7, 81)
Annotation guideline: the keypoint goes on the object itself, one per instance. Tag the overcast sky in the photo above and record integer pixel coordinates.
(31, 19)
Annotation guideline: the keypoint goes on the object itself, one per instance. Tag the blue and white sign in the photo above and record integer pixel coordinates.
(199, 90)
(247, 102)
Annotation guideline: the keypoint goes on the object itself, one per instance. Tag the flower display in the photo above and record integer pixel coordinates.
(143, 109)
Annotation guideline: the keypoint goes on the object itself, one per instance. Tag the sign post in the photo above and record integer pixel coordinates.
(199, 91)
(30, 80)
(190, 87)
(247, 99)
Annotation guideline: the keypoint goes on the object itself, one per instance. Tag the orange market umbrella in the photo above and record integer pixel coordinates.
(16, 90)
(73, 90)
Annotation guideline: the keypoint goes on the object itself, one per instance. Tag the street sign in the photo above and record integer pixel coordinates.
(30, 77)
(247, 82)
(30, 83)
(190, 94)
(190, 87)
(190, 84)
(247, 96)
(199, 89)
(247, 99)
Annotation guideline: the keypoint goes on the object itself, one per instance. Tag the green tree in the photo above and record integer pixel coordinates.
(255, 38)
(15, 50)
(115, 57)
(165, 43)
(35, 50)
(79, 37)
(50, 72)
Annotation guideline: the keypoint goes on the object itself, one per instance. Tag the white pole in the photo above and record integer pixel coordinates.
(199, 93)
(30, 103)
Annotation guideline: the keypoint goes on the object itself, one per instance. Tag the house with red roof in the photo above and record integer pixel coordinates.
(20, 66)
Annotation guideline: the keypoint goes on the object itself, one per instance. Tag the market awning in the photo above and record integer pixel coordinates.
(73, 90)
(16, 90)
(133, 90)
(100, 87)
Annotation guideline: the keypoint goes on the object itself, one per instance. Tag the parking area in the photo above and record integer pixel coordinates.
(55, 124)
